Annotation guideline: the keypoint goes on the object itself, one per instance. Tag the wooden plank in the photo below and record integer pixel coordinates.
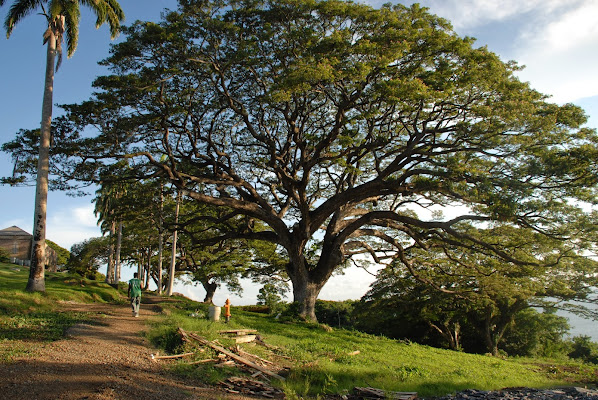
(245, 339)
(239, 331)
(232, 355)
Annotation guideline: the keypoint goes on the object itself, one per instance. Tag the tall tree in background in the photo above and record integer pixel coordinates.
(62, 17)
(340, 127)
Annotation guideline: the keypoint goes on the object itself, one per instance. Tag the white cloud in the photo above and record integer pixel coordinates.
(67, 226)
(555, 39)
(465, 14)
(560, 53)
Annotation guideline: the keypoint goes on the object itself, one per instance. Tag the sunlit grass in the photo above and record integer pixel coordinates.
(335, 361)
(32, 317)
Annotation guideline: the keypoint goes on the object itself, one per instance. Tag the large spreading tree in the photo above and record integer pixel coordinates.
(62, 17)
(339, 127)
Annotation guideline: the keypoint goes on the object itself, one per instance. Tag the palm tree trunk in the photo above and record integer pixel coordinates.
(36, 282)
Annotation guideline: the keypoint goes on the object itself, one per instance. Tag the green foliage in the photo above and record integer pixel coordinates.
(330, 122)
(469, 298)
(4, 256)
(338, 314)
(62, 254)
(271, 295)
(584, 349)
(87, 256)
(535, 334)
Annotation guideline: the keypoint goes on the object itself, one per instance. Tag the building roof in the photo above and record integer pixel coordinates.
(14, 231)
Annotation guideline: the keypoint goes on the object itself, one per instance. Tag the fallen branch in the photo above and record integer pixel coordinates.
(243, 352)
(373, 393)
(157, 357)
(207, 360)
(242, 360)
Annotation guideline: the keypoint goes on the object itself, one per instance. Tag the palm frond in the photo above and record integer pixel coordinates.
(98, 7)
(108, 11)
(72, 17)
(18, 10)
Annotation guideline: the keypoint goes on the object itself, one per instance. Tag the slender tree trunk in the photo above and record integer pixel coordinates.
(140, 268)
(110, 268)
(159, 272)
(160, 240)
(36, 282)
(148, 269)
(174, 240)
(450, 334)
(117, 255)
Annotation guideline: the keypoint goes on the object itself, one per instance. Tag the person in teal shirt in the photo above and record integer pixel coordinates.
(134, 293)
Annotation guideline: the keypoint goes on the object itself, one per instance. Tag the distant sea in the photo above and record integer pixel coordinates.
(581, 326)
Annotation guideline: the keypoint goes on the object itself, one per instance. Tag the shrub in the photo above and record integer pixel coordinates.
(4, 256)
(584, 349)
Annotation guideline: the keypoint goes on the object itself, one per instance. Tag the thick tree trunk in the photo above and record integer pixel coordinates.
(36, 282)
(305, 293)
(210, 291)
(308, 280)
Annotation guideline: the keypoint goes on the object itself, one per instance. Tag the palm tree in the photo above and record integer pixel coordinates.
(63, 23)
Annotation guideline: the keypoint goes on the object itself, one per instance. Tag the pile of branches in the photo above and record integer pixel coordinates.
(261, 370)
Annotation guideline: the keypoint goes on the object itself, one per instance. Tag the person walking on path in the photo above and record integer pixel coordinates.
(134, 293)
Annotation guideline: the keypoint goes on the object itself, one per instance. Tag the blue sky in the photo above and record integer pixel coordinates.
(557, 41)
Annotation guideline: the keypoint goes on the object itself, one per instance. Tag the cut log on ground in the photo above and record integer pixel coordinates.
(375, 394)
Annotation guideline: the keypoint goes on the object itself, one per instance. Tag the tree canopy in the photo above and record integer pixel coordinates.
(340, 127)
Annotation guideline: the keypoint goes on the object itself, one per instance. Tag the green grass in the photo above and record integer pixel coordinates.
(32, 317)
(320, 357)
(322, 363)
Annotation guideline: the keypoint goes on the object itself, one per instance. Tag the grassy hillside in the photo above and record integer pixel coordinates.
(325, 360)
(321, 360)
(34, 316)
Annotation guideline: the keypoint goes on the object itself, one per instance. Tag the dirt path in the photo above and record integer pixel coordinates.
(106, 360)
